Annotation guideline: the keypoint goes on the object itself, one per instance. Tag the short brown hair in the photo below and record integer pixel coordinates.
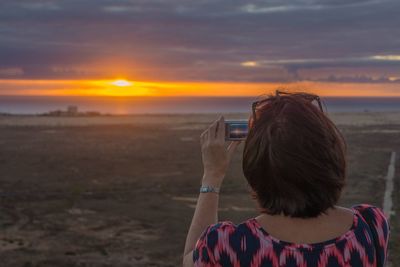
(294, 157)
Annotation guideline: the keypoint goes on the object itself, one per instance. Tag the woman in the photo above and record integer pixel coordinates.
(294, 162)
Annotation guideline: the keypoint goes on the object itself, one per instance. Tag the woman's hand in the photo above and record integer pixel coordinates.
(215, 156)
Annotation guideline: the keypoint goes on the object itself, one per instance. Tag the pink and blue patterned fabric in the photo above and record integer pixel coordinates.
(248, 244)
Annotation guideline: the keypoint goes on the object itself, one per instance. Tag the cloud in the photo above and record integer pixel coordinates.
(377, 60)
(251, 8)
(386, 57)
(265, 7)
(11, 72)
(250, 64)
(40, 5)
(207, 40)
(358, 79)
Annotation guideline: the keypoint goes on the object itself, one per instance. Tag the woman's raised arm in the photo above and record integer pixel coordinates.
(216, 159)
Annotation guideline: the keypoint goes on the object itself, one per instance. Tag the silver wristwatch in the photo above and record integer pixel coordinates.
(209, 189)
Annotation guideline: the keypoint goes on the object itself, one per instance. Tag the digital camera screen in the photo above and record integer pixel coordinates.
(238, 130)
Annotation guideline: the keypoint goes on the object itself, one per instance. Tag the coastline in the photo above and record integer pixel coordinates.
(340, 118)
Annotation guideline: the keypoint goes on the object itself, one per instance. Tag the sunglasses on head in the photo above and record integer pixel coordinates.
(311, 97)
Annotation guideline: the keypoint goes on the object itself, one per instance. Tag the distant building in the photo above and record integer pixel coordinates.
(72, 110)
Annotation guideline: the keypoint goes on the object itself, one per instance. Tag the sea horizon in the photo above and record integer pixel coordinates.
(35, 105)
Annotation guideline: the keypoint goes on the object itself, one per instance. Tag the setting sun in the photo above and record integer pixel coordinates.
(121, 83)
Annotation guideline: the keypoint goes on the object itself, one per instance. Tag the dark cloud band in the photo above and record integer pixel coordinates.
(198, 40)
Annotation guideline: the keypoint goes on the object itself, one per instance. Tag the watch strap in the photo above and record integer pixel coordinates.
(209, 189)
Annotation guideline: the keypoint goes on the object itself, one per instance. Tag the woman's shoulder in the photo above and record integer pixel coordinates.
(371, 213)
(229, 228)
(227, 238)
(378, 225)
(376, 220)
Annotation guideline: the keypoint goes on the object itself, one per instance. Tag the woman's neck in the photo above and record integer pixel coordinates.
(335, 222)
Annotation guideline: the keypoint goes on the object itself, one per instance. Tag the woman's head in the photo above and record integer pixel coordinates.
(294, 157)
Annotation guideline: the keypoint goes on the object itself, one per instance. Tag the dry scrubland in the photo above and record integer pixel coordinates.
(120, 191)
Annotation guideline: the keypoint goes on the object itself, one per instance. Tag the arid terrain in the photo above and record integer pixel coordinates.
(120, 190)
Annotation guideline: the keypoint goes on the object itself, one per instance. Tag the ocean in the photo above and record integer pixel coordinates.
(173, 105)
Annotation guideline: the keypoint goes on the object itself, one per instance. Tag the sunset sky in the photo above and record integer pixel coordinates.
(207, 47)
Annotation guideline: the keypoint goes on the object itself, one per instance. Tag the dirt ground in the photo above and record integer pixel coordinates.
(120, 191)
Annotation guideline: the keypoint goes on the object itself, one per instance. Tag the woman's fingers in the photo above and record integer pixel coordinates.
(213, 130)
(232, 147)
(203, 134)
(203, 137)
(217, 130)
(221, 129)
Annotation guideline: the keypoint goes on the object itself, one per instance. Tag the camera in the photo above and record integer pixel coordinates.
(236, 130)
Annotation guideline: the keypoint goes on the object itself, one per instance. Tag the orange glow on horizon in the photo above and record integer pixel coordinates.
(122, 83)
(122, 87)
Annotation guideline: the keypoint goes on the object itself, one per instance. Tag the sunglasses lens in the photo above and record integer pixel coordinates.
(317, 103)
(262, 104)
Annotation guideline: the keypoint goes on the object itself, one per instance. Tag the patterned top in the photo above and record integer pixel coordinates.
(248, 244)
